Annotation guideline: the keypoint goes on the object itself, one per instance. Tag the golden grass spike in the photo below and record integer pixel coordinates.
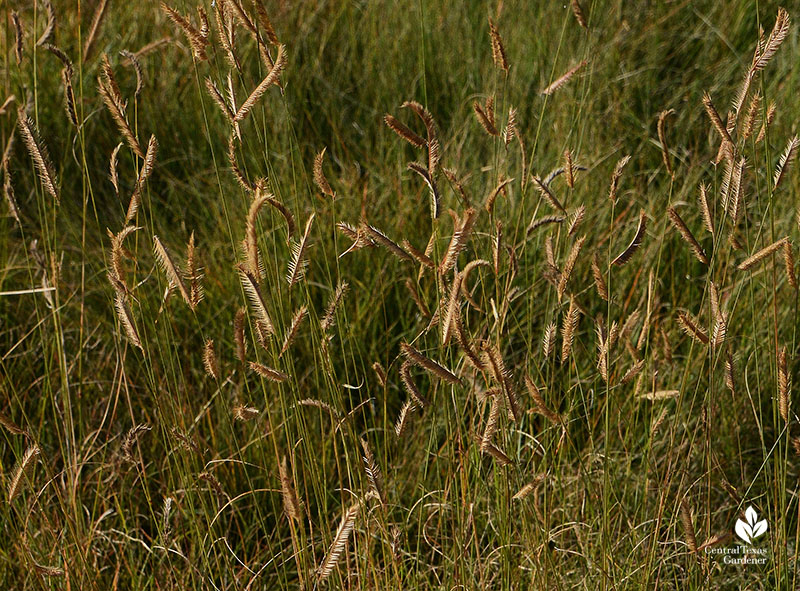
(251, 288)
(97, 21)
(599, 279)
(432, 187)
(197, 38)
(237, 172)
(502, 375)
(339, 541)
(716, 120)
(691, 327)
(484, 119)
(498, 49)
(11, 426)
(269, 373)
(688, 527)
(425, 116)
(786, 159)
(568, 327)
(380, 238)
(779, 32)
(660, 395)
(171, 269)
(784, 385)
(119, 117)
(404, 132)
(616, 176)
(269, 80)
(788, 262)
(705, 209)
(19, 36)
(539, 405)
(380, 373)
(771, 109)
(545, 192)
(144, 174)
(38, 152)
(51, 23)
(749, 124)
(421, 257)
(412, 289)
(239, 343)
(687, 235)
(329, 319)
(662, 138)
(291, 503)
(497, 454)
(562, 80)
(530, 487)
(491, 424)
(321, 405)
(578, 12)
(756, 258)
(126, 319)
(569, 171)
(452, 310)
(428, 364)
(18, 475)
(294, 328)
(500, 188)
(373, 471)
(403, 418)
(549, 339)
(458, 241)
(299, 262)
(265, 24)
(319, 176)
(510, 131)
(210, 361)
(569, 265)
(220, 101)
(193, 274)
(575, 219)
(626, 254)
(410, 386)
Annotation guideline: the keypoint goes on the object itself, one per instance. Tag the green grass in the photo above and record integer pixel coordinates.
(196, 502)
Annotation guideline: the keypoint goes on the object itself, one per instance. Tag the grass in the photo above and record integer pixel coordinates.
(549, 437)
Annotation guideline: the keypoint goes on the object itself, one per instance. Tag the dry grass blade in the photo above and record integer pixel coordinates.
(786, 159)
(626, 254)
(18, 475)
(428, 364)
(171, 270)
(269, 373)
(339, 541)
(563, 79)
(687, 235)
(759, 256)
(38, 152)
(97, 20)
(269, 80)
(299, 263)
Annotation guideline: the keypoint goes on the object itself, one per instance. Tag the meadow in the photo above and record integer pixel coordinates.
(377, 295)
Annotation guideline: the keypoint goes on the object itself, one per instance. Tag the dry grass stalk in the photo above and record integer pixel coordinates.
(563, 79)
(116, 107)
(291, 503)
(171, 270)
(298, 264)
(244, 413)
(269, 373)
(688, 527)
(131, 438)
(502, 375)
(329, 319)
(253, 292)
(626, 254)
(539, 405)
(19, 474)
(716, 121)
(11, 426)
(687, 235)
(133, 61)
(339, 541)
(784, 385)
(144, 174)
(38, 152)
(491, 424)
(498, 49)
(547, 194)
(220, 101)
(569, 265)
(435, 368)
(270, 79)
(294, 328)
(762, 133)
(421, 257)
(210, 361)
(786, 159)
(749, 123)
(243, 181)
(380, 373)
(691, 327)
(404, 132)
(759, 256)
(662, 138)
(497, 454)
(451, 176)
(569, 171)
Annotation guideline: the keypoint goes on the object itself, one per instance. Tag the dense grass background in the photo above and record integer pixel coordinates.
(613, 473)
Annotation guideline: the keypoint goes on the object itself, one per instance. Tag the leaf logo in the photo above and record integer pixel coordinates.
(752, 528)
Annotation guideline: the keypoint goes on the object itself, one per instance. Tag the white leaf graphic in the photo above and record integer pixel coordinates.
(743, 531)
(760, 528)
(751, 516)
